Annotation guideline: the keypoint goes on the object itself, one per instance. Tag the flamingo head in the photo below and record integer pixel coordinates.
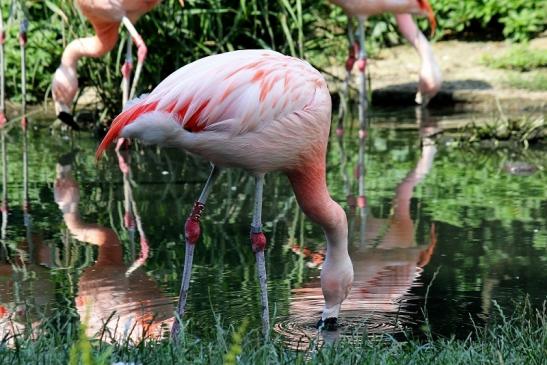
(336, 280)
(426, 7)
(64, 88)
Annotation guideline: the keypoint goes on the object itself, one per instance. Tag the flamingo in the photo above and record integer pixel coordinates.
(257, 110)
(105, 16)
(430, 78)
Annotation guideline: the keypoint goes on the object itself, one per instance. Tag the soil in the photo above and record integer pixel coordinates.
(468, 83)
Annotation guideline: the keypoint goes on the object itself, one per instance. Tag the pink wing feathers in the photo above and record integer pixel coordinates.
(235, 92)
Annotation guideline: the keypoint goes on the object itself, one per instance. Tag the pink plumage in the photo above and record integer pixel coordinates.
(237, 99)
(261, 111)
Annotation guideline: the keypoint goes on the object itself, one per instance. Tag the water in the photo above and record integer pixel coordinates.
(104, 242)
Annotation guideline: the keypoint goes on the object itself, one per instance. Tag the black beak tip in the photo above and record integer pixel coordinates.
(329, 324)
(68, 120)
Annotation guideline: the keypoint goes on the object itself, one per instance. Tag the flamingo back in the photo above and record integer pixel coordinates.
(236, 92)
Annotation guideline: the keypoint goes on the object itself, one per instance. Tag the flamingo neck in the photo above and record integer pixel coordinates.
(310, 189)
(412, 34)
(96, 46)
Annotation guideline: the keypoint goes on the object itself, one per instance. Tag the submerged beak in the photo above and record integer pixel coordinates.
(426, 7)
(329, 324)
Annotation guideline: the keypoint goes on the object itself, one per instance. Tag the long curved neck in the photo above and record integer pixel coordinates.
(310, 188)
(96, 46)
(411, 32)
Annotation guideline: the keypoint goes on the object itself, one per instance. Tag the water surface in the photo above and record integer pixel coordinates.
(105, 241)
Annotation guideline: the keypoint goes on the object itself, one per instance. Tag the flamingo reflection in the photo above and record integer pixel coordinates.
(120, 300)
(386, 257)
(26, 288)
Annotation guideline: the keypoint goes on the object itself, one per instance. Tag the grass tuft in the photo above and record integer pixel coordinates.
(518, 338)
(519, 58)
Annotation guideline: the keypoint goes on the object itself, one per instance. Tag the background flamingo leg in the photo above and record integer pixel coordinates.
(258, 241)
(23, 27)
(361, 65)
(126, 71)
(192, 232)
(141, 53)
(343, 107)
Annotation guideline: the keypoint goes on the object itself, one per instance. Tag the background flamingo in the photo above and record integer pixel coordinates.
(105, 16)
(260, 111)
(430, 74)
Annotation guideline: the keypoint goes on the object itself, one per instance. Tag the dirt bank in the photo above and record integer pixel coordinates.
(468, 83)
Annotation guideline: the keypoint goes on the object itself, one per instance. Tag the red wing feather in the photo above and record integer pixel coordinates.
(125, 118)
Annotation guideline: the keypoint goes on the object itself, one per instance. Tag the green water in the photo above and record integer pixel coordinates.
(435, 215)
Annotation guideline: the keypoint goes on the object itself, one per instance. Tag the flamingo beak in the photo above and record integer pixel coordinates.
(181, 3)
(329, 324)
(426, 7)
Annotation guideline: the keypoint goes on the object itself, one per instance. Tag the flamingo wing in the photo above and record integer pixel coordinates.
(235, 92)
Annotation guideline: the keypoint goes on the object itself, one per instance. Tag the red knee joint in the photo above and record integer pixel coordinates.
(349, 63)
(142, 51)
(3, 119)
(361, 201)
(128, 220)
(2, 37)
(339, 131)
(258, 241)
(22, 39)
(24, 122)
(126, 69)
(363, 133)
(4, 207)
(352, 51)
(362, 64)
(192, 230)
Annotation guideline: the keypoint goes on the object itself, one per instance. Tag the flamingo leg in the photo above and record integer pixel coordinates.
(23, 43)
(126, 71)
(343, 108)
(192, 232)
(361, 65)
(3, 119)
(141, 53)
(258, 241)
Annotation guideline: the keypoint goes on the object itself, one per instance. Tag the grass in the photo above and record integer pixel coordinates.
(519, 58)
(533, 81)
(519, 131)
(520, 338)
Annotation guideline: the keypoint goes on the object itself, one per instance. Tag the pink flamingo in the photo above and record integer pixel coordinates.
(260, 111)
(430, 74)
(105, 16)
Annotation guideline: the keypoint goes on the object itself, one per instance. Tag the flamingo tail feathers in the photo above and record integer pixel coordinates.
(122, 120)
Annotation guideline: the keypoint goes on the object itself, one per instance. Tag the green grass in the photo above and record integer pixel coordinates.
(520, 131)
(533, 81)
(519, 58)
(517, 339)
